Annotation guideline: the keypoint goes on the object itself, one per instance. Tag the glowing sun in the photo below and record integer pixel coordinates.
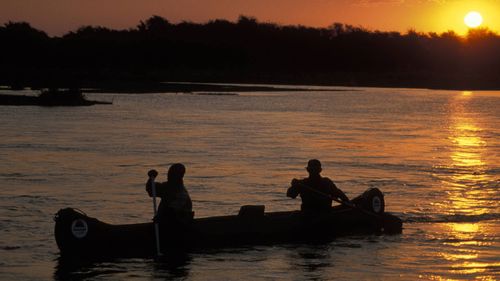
(473, 19)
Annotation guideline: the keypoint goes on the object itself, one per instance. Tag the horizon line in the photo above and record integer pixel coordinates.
(367, 29)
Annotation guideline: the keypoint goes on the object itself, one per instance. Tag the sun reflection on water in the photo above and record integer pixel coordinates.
(464, 231)
(467, 162)
(466, 250)
(465, 193)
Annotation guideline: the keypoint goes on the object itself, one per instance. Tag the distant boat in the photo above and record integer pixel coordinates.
(80, 236)
(51, 97)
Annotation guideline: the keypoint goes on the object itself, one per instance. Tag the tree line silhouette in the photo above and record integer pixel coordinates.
(247, 51)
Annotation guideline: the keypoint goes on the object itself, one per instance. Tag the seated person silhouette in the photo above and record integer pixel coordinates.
(175, 206)
(316, 192)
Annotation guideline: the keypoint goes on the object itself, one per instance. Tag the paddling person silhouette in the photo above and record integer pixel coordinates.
(316, 192)
(175, 206)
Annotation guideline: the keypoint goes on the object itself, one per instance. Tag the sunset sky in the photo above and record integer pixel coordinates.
(60, 16)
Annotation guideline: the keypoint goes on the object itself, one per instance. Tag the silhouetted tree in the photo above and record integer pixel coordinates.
(250, 51)
(155, 24)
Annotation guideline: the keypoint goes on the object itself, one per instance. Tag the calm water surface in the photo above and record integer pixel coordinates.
(435, 155)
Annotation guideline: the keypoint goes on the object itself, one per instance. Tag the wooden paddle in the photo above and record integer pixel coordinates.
(157, 228)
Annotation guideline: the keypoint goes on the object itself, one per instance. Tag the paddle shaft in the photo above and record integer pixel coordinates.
(157, 227)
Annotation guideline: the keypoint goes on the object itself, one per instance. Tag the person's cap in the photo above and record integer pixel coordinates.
(313, 163)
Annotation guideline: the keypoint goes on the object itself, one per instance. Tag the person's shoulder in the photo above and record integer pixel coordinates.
(303, 180)
(162, 184)
(328, 181)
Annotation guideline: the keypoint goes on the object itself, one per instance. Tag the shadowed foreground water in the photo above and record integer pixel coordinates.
(435, 155)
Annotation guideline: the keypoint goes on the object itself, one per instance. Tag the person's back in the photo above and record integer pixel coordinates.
(316, 192)
(316, 196)
(176, 204)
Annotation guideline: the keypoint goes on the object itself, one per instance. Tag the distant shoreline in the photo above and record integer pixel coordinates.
(50, 98)
(264, 86)
(213, 81)
(191, 87)
(187, 87)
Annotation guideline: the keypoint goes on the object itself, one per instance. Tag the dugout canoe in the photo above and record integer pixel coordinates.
(78, 235)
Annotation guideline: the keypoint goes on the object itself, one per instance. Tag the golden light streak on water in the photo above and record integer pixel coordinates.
(464, 230)
(454, 257)
(474, 267)
(466, 159)
(467, 163)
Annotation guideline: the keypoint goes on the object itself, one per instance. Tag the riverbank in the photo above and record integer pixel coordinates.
(185, 87)
(51, 97)
(245, 82)
(232, 88)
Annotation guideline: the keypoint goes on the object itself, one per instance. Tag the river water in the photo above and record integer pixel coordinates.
(434, 154)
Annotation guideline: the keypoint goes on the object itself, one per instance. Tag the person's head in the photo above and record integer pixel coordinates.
(176, 172)
(314, 167)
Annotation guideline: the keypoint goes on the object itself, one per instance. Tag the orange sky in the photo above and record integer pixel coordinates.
(60, 16)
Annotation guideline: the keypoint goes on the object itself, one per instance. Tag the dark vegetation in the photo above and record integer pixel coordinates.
(246, 51)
